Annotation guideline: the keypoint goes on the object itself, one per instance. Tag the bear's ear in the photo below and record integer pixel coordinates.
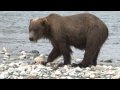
(44, 21)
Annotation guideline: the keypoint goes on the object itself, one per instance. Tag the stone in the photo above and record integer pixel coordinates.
(1, 52)
(108, 61)
(22, 57)
(2, 76)
(20, 77)
(4, 49)
(23, 52)
(78, 69)
(87, 68)
(57, 72)
(7, 54)
(10, 71)
(116, 77)
(16, 73)
(23, 73)
(92, 76)
(12, 65)
(68, 77)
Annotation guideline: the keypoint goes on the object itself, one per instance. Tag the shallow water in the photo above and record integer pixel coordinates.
(14, 32)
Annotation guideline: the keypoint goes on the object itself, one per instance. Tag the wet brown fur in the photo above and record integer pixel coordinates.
(83, 31)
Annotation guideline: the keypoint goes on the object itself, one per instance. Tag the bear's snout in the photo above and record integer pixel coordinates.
(31, 39)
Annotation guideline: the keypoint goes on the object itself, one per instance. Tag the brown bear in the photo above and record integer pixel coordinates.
(83, 31)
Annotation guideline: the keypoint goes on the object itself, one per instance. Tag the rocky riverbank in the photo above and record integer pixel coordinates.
(26, 65)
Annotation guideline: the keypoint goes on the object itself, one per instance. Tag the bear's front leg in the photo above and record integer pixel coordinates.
(53, 55)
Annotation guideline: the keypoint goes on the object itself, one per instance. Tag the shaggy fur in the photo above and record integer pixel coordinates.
(83, 31)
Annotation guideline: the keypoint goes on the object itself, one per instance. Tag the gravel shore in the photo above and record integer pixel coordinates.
(27, 66)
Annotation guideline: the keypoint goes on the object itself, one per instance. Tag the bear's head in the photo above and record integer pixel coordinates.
(37, 29)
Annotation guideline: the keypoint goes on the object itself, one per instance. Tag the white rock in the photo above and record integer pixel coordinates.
(110, 72)
(1, 52)
(22, 73)
(6, 57)
(12, 65)
(87, 74)
(11, 70)
(4, 49)
(78, 69)
(16, 73)
(110, 67)
(92, 76)
(22, 57)
(2, 76)
(68, 77)
(71, 73)
(23, 53)
(98, 66)
(87, 68)
(57, 72)
(105, 67)
(116, 77)
(7, 54)
(33, 73)
(20, 77)
(63, 77)
(65, 67)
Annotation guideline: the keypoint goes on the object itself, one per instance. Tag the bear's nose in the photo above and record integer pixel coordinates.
(31, 39)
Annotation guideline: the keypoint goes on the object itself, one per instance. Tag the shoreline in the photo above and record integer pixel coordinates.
(23, 66)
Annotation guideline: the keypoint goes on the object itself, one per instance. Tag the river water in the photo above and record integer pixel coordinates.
(14, 32)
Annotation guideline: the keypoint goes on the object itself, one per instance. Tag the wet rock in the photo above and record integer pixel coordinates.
(4, 50)
(108, 61)
(20, 77)
(57, 72)
(23, 73)
(2, 76)
(7, 54)
(22, 57)
(35, 53)
(23, 52)
(10, 71)
(92, 76)
(78, 69)
(13, 65)
(30, 62)
(68, 77)
(116, 77)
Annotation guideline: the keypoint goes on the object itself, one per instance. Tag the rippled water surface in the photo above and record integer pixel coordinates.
(14, 32)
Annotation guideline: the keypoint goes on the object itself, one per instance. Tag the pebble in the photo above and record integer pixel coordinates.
(10, 71)
(2, 76)
(23, 73)
(116, 77)
(57, 72)
(78, 69)
(92, 76)
(23, 52)
(7, 54)
(4, 49)
(22, 57)
(31, 68)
